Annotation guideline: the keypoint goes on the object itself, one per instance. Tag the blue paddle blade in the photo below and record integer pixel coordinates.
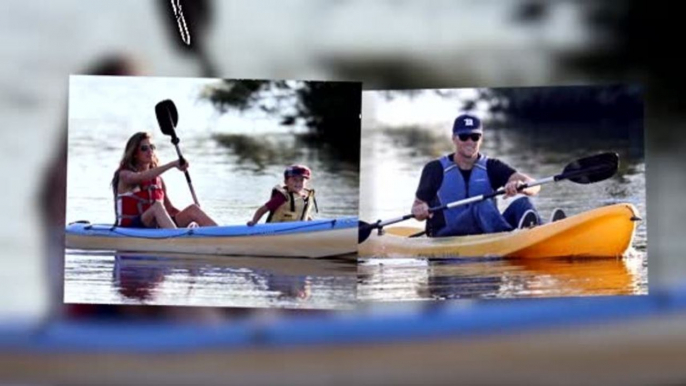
(591, 169)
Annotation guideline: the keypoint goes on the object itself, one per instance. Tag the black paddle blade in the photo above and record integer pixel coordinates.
(591, 169)
(167, 117)
(364, 230)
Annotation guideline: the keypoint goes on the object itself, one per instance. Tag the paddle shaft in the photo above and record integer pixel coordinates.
(175, 141)
(167, 118)
(501, 191)
(462, 202)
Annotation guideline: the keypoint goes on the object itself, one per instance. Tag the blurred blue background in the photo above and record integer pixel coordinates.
(385, 44)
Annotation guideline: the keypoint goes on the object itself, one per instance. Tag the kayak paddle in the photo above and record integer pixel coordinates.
(586, 170)
(167, 119)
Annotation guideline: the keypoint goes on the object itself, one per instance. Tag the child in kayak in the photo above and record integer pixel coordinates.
(140, 196)
(291, 201)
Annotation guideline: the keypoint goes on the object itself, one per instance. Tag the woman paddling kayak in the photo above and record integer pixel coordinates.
(140, 195)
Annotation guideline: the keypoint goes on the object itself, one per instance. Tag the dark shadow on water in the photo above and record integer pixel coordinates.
(628, 140)
(418, 141)
(459, 260)
(257, 151)
(462, 287)
(539, 144)
(331, 154)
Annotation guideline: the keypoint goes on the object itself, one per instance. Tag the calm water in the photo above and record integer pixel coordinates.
(230, 186)
(391, 166)
(210, 281)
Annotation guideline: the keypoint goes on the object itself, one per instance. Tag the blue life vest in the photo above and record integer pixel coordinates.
(454, 188)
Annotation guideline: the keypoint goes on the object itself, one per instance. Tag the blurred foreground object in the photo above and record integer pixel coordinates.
(592, 340)
(192, 19)
(53, 193)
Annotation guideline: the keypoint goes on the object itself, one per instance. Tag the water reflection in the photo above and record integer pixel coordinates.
(137, 283)
(484, 278)
(196, 280)
(558, 277)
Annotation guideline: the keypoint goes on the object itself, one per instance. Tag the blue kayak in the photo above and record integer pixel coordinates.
(317, 238)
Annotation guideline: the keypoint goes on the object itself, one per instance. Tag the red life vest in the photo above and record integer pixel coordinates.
(133, 204)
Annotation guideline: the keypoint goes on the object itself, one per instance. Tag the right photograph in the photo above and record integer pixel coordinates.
(492, 193)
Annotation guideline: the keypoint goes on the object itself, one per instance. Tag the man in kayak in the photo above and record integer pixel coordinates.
(467, 173)
(141, 199)
(292, 201)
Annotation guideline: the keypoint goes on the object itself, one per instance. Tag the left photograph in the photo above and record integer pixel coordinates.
(212, 192)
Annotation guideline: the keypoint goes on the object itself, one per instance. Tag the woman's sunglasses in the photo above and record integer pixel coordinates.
(145, 148)
(474, 136)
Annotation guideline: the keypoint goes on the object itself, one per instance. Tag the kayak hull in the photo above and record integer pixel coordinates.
(313, 239)
(607, 231)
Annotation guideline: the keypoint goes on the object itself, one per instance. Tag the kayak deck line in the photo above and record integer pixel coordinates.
(607, 231)
(209, 231)
(318, 238)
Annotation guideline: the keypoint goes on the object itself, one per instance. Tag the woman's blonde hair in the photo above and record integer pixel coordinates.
(128, 160)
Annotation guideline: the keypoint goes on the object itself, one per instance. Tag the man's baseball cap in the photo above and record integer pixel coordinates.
(467, 123)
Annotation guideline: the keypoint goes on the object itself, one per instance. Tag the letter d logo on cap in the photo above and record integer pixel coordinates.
(467, 123)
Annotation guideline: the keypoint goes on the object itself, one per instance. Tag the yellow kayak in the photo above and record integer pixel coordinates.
(607, 231)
